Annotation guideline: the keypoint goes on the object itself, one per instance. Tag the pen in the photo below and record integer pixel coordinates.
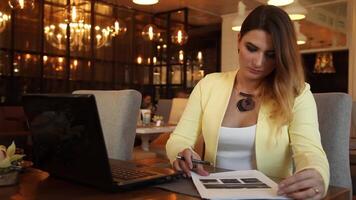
(195, 161)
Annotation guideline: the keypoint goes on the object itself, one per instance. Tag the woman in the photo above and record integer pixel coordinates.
(261, 116)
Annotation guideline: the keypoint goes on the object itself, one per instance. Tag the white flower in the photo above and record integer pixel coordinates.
(7, 156)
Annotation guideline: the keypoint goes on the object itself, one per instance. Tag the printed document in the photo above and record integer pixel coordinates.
(248, 184)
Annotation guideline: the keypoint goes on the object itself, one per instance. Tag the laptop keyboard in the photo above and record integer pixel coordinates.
(128, 174)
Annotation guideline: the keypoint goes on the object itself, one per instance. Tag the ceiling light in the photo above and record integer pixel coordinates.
(301, 38)
(179, 36)
(150, 32)
(240, 17)
(296, 11)
(279, 2)
(145, 2)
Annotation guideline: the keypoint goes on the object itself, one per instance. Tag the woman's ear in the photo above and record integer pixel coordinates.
(238, 42)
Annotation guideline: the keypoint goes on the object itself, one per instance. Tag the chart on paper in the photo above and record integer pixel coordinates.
(249, 184)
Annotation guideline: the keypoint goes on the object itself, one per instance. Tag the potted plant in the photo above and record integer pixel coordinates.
(10, 165)
(158, 119)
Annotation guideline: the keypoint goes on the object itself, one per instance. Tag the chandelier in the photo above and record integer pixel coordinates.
(22, 4)
(80, 32)
(4, 18)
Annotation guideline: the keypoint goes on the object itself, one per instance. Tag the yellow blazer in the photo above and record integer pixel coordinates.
(295, 148)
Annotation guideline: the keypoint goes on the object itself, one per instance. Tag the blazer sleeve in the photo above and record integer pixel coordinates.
(189, 126)
(305, 137)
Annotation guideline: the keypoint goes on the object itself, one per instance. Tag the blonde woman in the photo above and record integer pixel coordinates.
(262, 116)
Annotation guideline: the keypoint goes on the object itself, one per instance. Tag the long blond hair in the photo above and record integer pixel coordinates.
(286, 81)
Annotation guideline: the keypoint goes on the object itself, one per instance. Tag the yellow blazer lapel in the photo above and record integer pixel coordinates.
(215, 114)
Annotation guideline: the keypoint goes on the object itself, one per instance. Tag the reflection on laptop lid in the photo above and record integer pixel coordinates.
(68, 143)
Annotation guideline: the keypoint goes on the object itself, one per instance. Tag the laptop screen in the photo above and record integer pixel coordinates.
(67, 138)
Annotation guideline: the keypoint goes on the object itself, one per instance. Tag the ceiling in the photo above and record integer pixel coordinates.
(326, 16)
(218, 8)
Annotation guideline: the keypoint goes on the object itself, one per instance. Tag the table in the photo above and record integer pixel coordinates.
(38, 185)
(146, 132)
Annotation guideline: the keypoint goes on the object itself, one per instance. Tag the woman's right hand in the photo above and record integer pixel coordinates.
(186, 165)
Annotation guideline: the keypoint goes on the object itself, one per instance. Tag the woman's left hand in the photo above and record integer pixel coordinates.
(306, 184)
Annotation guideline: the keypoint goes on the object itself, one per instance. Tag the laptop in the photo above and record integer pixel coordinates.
(68, 143)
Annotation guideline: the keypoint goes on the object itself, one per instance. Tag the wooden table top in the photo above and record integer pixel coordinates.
(35, 184)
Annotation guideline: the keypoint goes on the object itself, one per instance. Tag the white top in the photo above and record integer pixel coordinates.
(236, 148)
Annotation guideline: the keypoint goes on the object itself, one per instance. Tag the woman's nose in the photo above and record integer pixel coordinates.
(259, 59)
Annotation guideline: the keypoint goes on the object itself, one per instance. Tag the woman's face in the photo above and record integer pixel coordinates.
(257, 55)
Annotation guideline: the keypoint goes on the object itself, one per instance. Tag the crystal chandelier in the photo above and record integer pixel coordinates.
(22, 4)
(4, 18)
(80, 32)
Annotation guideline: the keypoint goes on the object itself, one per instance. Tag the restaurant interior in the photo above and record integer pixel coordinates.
(161, 48)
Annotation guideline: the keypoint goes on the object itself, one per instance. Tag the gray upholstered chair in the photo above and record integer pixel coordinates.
(353, 119)
(164, 108)
(118, 111)
(334, 113)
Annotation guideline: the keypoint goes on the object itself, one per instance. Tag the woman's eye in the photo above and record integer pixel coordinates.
(270, 55)
(251, 49)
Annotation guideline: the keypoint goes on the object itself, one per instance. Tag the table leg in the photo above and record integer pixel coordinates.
(145, 145)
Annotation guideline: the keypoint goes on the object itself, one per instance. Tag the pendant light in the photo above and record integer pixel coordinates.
(119, 28)
(279, 2)
(151, 32)
(301, 38)
(179, 36)
(240, 17)
(296, 11)
(145, 2)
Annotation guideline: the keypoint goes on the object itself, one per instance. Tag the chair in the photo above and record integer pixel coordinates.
(13, 127)
(334, 114)
(118, 111)
(178, 106)
(164, 108)
(158, 145)
(353, 120)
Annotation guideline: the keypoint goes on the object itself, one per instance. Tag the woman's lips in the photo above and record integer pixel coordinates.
(255, 71)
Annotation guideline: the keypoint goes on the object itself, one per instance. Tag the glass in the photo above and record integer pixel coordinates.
(176, 74)
(25, 85)
(27, 65)
(54, 85)
(27, 29)
(4, 64)
(54, 67)
(157, 75)
(146, 116)
(142, 75)
(103, 72)
(80, 39)
(5, 25)
(80, 70)
(119, 72)
(103, 22)
(54, 33)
